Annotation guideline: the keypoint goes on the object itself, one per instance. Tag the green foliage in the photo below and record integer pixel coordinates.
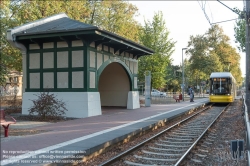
(240, 30)
(3, 73)
(155, 35)
(47, 105)
(173, 78)
(10, 58)
(116, 17)
(212, 52)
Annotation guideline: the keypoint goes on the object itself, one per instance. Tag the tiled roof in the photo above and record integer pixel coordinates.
(58, 25)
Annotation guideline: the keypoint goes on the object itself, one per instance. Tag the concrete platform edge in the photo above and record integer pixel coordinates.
(102, 147)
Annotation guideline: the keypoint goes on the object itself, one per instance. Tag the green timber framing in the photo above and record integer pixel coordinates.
(99, 39)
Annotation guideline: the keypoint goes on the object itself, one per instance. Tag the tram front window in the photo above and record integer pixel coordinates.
(220, 86)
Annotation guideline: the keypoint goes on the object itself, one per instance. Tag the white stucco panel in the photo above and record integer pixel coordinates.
(111, 50)
(91, 79)
(77, 43)
(62, 80)
(34, 46)
(62, 44)
(92, 59)
(127, 63)
(48, 45)
(131, 55)
(92, 44)
(34, 61)
(106, 57)
(77, 58)
(135, 82)
(77, 79)
(62, 59)
(131, 66)
(48, 60)
(126, 54)
(99, 47)
(105, 48)
(136, 67)
(99, 60)
(34, 80)
(48, 80)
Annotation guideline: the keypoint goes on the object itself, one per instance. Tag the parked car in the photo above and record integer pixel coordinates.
(155, 92)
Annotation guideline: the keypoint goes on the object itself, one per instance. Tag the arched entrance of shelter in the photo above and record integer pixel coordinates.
(114, 84)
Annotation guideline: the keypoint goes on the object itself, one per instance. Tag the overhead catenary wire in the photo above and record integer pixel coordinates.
(203, 7)
(224, 21)
(228, 7)
(211, 12)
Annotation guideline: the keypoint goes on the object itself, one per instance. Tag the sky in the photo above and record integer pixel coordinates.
(186, 18)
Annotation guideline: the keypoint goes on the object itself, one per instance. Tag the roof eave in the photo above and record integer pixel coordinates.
(122, 40)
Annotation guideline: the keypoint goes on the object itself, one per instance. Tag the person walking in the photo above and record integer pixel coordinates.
(191, 93)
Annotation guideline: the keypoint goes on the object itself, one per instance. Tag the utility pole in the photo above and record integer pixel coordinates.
(247, 17)
(183, 81)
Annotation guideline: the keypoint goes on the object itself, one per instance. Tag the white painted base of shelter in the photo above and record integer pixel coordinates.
(133, 100)
(79, 104)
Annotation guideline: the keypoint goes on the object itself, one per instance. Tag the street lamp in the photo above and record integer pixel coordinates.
(183, 75)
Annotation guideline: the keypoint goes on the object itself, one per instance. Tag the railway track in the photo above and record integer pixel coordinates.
(170, 147)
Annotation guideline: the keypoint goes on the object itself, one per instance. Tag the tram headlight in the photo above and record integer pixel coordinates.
(228, 94)
(212, 94)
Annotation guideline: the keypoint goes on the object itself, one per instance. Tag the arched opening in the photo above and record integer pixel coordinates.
(114, 85)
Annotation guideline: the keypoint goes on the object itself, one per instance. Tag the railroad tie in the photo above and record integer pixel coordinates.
(154, 159)
(163, 149)
(160, 154)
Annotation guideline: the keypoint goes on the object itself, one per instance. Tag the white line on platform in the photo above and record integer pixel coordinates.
(47, 149)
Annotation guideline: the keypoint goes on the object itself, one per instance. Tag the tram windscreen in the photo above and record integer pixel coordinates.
(220, 86)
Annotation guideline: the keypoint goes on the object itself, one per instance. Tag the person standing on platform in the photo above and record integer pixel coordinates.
(191, 93)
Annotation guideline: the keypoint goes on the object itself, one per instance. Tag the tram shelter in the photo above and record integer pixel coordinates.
(83, 65)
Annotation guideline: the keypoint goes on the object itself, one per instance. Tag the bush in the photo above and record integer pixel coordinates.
(47, 105)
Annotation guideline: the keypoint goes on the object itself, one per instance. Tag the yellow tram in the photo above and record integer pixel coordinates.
(222, 87)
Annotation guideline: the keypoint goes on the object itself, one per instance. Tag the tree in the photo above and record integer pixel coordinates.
(240, 34)
(155, 35)
(116, 17)
(10, 58)
(240, 30)
(212, 52)
(173, 78)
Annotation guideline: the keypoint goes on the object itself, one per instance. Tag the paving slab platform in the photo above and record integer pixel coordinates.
(86, 135)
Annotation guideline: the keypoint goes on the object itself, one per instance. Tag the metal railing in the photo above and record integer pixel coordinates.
(247, 123)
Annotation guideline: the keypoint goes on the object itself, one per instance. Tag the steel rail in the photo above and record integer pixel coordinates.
(197, 140)
(119, 156)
